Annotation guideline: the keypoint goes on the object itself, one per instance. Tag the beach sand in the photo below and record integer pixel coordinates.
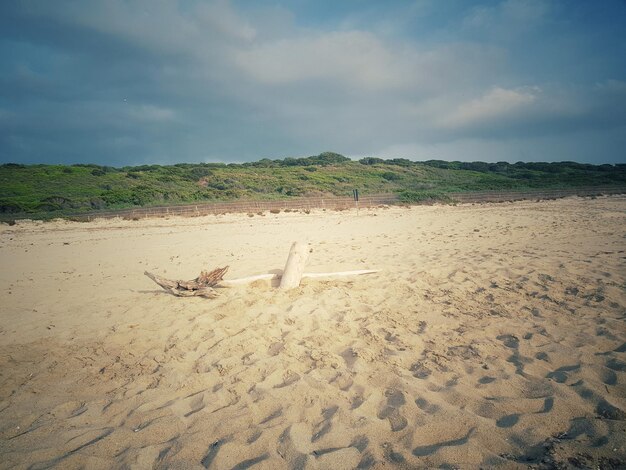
(494, 335)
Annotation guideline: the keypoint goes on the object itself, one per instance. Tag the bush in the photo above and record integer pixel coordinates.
(53, 203)
(400, 162)
(294, 192)
(97, 203)
(118, 197)
(198, 173)
(7, 207)
(422, 196)
(48, 207)
(371, 161)
(391, 176)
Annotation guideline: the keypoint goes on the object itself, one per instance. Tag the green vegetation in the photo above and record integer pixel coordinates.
(38, 190)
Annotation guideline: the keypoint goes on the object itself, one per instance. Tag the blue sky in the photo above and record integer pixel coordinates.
(122, 82)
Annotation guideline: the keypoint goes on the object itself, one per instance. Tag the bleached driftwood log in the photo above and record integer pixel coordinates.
(294, 267)
(204, 284)
(272, 276)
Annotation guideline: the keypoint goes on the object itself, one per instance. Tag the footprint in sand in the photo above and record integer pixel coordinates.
(423, 451)
(350, 357)
(289, 379)
(420, 371)
(356, 401)
(608, 411)
(519, 361)
(616, 365)
(272, 416)
(508, 421)
(509, 341)
(214, 448)
(275, 348)
(548, 404)
(287, 450)
(391, 456)
(250, 462)
(391, 410)
(425, 406)
(561, 375)
(607, 376)
(360, 443)
(323, 427)
(197, 404)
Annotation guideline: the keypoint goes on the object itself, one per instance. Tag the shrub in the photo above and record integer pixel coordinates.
(7, 207)
(391, 176)
(400, 162)
(422, 196)
(294, 192)
(371, 161)
(12, 165)
(97, 203)
(197, 173)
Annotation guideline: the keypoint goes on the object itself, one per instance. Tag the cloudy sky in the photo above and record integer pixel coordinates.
(125, 82)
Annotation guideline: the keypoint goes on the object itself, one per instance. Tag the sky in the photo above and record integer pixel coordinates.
(131, 82)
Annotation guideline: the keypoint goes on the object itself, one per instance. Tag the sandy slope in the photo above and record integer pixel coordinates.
(494, 336)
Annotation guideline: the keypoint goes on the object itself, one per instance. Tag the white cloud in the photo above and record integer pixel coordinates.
(583, 146)
(353, 57)
(362, 62)
(497, 104)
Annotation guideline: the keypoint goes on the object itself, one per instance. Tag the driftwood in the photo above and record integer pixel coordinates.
(273, 276)
(201, 286)
(205, 283)
(294, 267)
(173, 287)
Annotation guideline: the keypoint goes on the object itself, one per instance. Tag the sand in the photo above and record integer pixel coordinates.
(493, 336)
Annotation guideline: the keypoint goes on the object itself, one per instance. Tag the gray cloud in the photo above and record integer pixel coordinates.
(121, 82)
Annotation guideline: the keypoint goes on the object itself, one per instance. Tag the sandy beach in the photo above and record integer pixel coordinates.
(493, 335)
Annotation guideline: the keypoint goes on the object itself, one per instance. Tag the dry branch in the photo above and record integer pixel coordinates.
(201, 286)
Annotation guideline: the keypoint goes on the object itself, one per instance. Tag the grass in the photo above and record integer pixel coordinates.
(42, 191)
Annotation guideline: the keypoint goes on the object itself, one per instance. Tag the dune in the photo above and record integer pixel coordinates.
(493, 335)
